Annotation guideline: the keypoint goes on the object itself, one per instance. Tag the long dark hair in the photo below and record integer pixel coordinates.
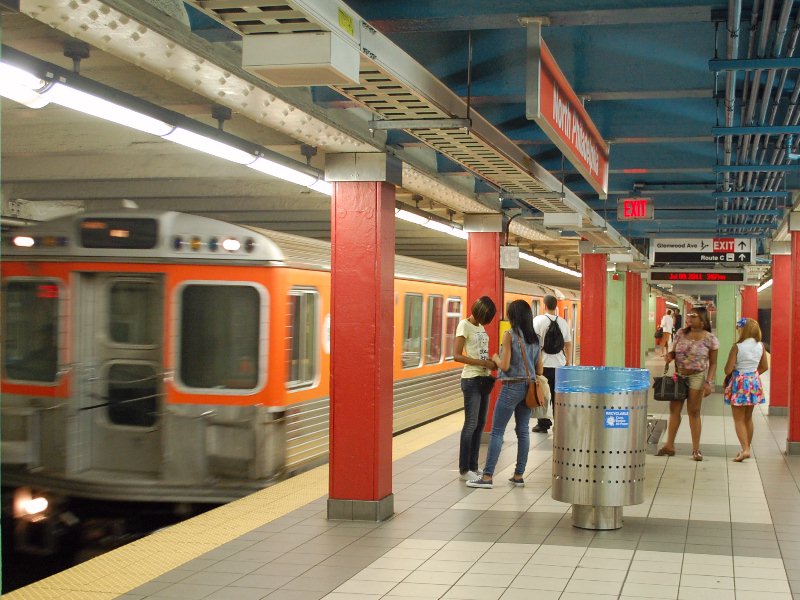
(521, 318)
(702, 312)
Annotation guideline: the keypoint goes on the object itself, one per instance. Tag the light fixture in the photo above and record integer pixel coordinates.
(764, 286)
(20, 86)
(91, 104)
(672, 304)
(203, 143)
(270, 167)
(429, 223)
(71, 90)
(547, 264)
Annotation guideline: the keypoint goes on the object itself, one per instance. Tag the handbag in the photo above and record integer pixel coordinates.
(659, 333)
(670, 387)
(534, 398)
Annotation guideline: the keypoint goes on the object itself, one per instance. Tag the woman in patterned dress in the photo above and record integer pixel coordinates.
(746, 361)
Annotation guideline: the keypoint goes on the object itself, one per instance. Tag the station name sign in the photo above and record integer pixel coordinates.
(697, 276)
(556, 109)
(634, 209)
(728, 251)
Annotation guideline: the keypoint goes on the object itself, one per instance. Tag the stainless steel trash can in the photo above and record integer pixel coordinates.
(599, 442)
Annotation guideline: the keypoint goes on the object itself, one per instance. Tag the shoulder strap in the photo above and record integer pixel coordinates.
(524, 358)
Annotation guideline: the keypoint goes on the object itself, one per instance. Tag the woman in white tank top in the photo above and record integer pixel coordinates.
(746, 361)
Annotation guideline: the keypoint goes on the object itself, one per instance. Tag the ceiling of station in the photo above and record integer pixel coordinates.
(641, 68)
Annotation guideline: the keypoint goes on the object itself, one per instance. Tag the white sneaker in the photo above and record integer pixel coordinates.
(470, 475)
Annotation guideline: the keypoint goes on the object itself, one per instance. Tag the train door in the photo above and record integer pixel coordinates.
(119, 341)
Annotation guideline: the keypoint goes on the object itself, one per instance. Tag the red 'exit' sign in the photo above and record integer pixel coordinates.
(632, 209)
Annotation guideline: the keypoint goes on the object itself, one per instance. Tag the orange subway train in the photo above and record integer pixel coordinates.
(162, 356)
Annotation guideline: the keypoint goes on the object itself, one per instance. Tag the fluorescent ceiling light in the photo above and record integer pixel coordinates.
(764, 286)
(190, 139)
(672, 304)
(20, 86)
(429, 223)
(98, 107)
(323, 187)
(549, 265)
(270, 167)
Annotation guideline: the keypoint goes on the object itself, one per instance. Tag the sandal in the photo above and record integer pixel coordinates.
(697, 455)
(665, 452)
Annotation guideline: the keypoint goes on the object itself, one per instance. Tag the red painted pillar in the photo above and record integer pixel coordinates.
(362, 324)
(485, 278)
(793, 445)
(780, 337)
(633, 319)
(593, 310)
(750, 302)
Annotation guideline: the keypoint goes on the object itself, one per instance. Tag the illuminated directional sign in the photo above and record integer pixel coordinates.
(727, 251)
(697, 276)
(634, 209)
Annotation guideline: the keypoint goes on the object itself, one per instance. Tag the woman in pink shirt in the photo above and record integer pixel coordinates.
(695, 355)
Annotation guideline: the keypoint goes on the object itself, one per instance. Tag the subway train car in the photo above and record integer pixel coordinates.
(162, 356)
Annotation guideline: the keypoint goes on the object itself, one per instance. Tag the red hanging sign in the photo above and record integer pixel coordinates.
(555, 107)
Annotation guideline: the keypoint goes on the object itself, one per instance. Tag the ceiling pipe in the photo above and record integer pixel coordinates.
(734, 22)
(777, 47)
(749, 92)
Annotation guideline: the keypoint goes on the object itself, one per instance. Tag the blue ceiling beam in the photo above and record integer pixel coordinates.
(756, 130)
(756, 168)
(751, 64)
(751, 194)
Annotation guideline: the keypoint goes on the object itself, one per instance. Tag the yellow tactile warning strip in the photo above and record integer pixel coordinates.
(121, 570)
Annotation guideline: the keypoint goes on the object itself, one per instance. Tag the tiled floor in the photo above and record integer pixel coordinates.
(709, 530)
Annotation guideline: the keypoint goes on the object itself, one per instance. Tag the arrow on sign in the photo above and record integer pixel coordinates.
(742, 257)
(742, 245)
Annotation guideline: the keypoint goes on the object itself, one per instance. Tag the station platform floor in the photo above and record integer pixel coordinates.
(706, 530)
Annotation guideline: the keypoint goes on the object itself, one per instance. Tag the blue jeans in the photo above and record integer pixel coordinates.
(476, 392)
(510, 402)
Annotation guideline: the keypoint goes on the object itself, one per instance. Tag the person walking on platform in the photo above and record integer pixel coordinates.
(667, 323)
(677, 320)
(472, 349)
(519, 359)
(556, 349)
(746, 361)
(695, 356)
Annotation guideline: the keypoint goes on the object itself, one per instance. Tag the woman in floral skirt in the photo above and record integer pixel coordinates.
(746, 361)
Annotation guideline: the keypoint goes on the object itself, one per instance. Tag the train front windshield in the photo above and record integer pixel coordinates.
(30, 318)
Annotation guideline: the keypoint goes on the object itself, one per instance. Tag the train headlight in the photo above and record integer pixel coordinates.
(34, 506)
(213, 244)
(231, 245)
(249, 245)
(24, 241)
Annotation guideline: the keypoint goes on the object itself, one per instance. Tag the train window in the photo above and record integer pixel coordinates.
(412, 331)
(535, 307)
(132, 393)
(30, 330)
(453, 318)
(134, 313)
(433, 330)
(566, 314)
(220, 332)
(302, 333)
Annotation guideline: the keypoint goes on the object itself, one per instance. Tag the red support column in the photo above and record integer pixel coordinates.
(633, 319)
(593, 310)
(793, 442)
(485, 278)
(750, 302)
(780, 338)
(362, 324)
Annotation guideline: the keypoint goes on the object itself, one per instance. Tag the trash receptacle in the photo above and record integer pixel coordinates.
(599, 442)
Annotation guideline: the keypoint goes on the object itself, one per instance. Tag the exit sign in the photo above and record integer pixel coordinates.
(634, 209)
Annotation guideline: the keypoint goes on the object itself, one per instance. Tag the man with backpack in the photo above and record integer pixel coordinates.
(556, 340)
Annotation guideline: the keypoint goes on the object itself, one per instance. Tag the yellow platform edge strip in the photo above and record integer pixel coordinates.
(120, 571)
